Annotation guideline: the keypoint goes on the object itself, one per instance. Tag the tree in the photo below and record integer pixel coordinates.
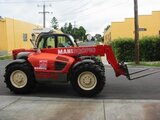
(82, 32)
(77, 33)
(64, 28)
(107, 27)
(69, 29)
(98, 37)
(54, 23)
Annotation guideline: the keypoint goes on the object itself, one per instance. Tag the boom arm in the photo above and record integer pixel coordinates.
(99, 50)
(119, 69)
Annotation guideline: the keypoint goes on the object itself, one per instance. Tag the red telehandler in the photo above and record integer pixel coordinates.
(58, 58)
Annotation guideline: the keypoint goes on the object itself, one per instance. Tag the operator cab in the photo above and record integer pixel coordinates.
(51, 39)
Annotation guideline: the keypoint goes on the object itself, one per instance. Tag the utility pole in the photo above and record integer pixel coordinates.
(44, 13)
(136, 27)
(74, 26)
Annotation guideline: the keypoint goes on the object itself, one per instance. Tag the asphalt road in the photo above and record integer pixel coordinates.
(115, 88)
(90, 43)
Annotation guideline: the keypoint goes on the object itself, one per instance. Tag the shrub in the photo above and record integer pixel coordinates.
(149, 48)
(124, 49)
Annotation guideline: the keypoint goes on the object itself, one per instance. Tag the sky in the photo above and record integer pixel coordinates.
(94, 15)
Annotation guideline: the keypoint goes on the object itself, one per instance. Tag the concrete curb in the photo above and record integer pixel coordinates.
(38, 108)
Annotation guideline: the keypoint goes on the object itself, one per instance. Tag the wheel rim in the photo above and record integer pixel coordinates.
(18, 79)
(87, 80)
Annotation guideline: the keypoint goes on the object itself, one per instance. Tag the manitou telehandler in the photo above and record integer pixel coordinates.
(58, 58)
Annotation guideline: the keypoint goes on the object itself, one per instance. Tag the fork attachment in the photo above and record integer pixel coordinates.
(128, 75)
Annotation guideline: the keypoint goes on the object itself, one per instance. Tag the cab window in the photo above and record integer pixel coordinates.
(50, 43)
(63, 41)
(41, 43)
(47, 42)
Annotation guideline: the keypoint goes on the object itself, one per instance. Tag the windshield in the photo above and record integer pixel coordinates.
(72, 39)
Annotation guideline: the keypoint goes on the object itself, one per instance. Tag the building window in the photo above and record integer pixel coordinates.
(24, 37)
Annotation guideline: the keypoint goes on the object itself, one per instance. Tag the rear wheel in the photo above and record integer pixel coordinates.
(19, 78)
(88, 79)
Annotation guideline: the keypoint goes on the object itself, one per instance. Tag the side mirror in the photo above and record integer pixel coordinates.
(33, 37)
(33, 43)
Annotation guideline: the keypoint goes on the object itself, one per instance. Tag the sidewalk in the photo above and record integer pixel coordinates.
(36, 108)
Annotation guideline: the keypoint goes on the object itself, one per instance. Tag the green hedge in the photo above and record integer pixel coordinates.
(124, 49)
(149, 48)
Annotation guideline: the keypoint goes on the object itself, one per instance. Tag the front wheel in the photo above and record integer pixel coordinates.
(19, 78)
(88, 79)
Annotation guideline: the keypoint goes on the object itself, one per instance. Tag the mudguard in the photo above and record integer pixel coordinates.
(15, 62)
(86, 57)
(82, 62)
(22, 55)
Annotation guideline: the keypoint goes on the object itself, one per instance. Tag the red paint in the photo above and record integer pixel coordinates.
(50, 54)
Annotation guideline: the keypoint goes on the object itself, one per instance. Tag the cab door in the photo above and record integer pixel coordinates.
(47, 42)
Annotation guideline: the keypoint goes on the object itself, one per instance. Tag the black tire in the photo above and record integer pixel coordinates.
(24, 69)
(98, 62)
(95, 71)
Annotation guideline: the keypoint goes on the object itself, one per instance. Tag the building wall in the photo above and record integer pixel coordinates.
(151, 22)
(3, 39)
(107, 37)
(15, 34)
(16, 31)
(126, 29)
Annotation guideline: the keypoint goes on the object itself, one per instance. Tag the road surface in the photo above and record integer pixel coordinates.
(115, 88)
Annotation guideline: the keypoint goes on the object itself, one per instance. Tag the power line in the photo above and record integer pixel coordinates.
(88, 8)
(33, 1)
(78, 9)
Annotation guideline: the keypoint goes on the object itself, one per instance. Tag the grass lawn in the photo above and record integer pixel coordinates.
(5, 57)
(142, 63)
